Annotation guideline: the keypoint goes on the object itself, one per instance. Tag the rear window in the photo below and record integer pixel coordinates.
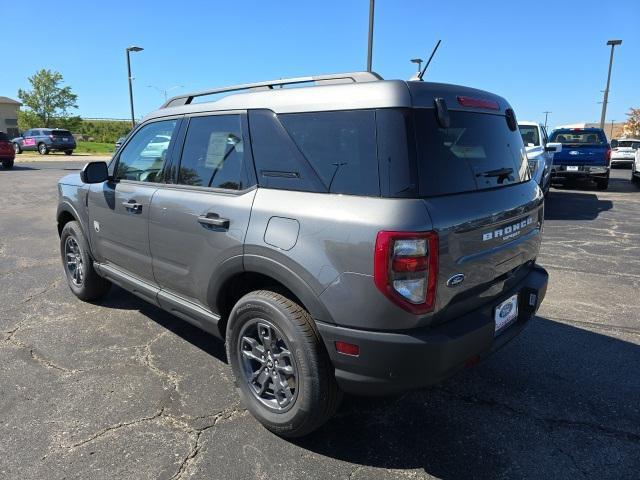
(579, 137)
(61, 133)
(629, 143)
(478, 151)
(530, 135)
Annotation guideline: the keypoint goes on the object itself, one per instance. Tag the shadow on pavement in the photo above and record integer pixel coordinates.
(558, 402)
(562, 205)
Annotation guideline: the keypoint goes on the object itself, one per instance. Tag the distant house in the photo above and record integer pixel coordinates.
(9, 116)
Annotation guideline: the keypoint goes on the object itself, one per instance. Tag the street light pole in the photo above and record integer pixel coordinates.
(128, 50)
(605, 100)
(546, 116)
(370, 47)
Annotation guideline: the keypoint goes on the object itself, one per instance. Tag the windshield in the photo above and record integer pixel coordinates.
(530, 135)
(579, 137)
(635, 144)
(477, 151)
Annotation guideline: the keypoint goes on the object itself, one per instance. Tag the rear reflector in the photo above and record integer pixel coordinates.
(478, 103)
(347, 348)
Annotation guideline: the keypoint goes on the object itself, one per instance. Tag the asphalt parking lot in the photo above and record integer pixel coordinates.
(124, 390)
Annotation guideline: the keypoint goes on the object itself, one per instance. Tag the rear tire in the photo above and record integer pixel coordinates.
(43, 149)
(82, 278)
(17, 149)
(68, 152)
(7, 164)
(266, 327)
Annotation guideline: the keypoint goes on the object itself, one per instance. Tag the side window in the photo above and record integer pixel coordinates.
(279, 163)
(214, 153)
(143, 158)
(341, 147)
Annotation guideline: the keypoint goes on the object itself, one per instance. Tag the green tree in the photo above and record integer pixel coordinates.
(47, 99)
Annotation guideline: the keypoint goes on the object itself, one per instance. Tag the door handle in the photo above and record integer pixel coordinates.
(132, 205)
(214, 220)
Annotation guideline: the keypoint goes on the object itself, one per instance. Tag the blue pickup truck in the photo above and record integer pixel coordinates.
(585, 154)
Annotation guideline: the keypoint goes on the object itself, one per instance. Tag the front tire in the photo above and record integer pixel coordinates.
(7, 163)
(43, 149)
(82, 278)
(68, 152)
(282, 371)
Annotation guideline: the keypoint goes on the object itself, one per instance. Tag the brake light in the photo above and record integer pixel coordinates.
(478, 103)
(406, 269)
(607, 156)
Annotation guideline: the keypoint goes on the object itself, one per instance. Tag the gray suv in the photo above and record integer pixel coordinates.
(348, 235)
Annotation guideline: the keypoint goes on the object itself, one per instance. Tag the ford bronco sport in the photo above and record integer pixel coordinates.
(354, 235)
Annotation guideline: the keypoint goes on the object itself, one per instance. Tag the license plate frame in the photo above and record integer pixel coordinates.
(506, 313)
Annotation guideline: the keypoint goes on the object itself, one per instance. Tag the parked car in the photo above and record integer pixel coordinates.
(624, 152)
(539, 152)
(585, 155)
(119, 142)
(7, 155)
(365, 236)
(635, 168)
(45, 140)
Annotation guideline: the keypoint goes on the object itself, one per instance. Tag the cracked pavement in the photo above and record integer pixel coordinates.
(121, 389)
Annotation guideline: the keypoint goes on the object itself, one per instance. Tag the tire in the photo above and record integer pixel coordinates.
(635, 179)
(17, 149)
(86, 285)
(43, 149)
(8, 163)
(68, 152)
(602, 184)
(313, 394)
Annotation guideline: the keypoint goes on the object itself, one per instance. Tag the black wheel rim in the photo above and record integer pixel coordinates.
(268, 366)
(73, 261)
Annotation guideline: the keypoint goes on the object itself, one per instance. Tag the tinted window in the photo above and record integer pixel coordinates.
(530, 135)
(629, 143)
(476, 152)
(279, 163)
(143, 158)
(396, 152)
(579, 137)
(61, 133)
(341, 148)
(214, 153)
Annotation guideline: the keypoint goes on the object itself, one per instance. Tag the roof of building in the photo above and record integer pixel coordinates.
(10, 101)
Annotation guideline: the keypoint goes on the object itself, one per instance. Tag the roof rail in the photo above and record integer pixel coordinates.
(351, 77)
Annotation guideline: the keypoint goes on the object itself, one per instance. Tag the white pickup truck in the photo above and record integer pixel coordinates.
(539, 152)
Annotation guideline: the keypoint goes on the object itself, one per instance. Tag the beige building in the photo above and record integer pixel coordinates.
(9, 116)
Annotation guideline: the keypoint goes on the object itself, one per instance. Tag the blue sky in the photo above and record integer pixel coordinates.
(540, 55)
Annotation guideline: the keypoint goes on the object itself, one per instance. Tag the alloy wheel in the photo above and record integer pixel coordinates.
(268, 366)
(73, 261)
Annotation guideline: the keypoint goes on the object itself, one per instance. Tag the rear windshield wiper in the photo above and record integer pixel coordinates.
(499, 172)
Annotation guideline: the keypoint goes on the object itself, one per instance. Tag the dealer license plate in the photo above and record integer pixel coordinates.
(572, 168)
(506, 312)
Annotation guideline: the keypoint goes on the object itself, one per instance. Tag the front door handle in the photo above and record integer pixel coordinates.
(132, 205)
(214, 220)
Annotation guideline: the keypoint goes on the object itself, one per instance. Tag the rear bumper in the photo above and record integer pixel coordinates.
(62, 146)
(394, 362)
(560, 174)
(622, 161)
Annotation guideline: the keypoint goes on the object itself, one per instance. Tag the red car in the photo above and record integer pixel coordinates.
(7, 154)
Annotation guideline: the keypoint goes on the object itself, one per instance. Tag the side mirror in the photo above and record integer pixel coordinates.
(553, 147)
(94, 172)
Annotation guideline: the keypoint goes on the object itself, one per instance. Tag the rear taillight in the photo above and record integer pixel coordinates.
(607, 156)
(406, 269)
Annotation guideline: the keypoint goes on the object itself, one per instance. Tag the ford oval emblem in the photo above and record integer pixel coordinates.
(506, 310)
(456, 280)
(574, 152)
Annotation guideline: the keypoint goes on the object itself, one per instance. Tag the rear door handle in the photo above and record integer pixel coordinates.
(132, 205)
(213, 220)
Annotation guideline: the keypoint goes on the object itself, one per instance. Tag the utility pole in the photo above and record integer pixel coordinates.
(605, 100)
(370, 48)
(546, 116)
(611, 134)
